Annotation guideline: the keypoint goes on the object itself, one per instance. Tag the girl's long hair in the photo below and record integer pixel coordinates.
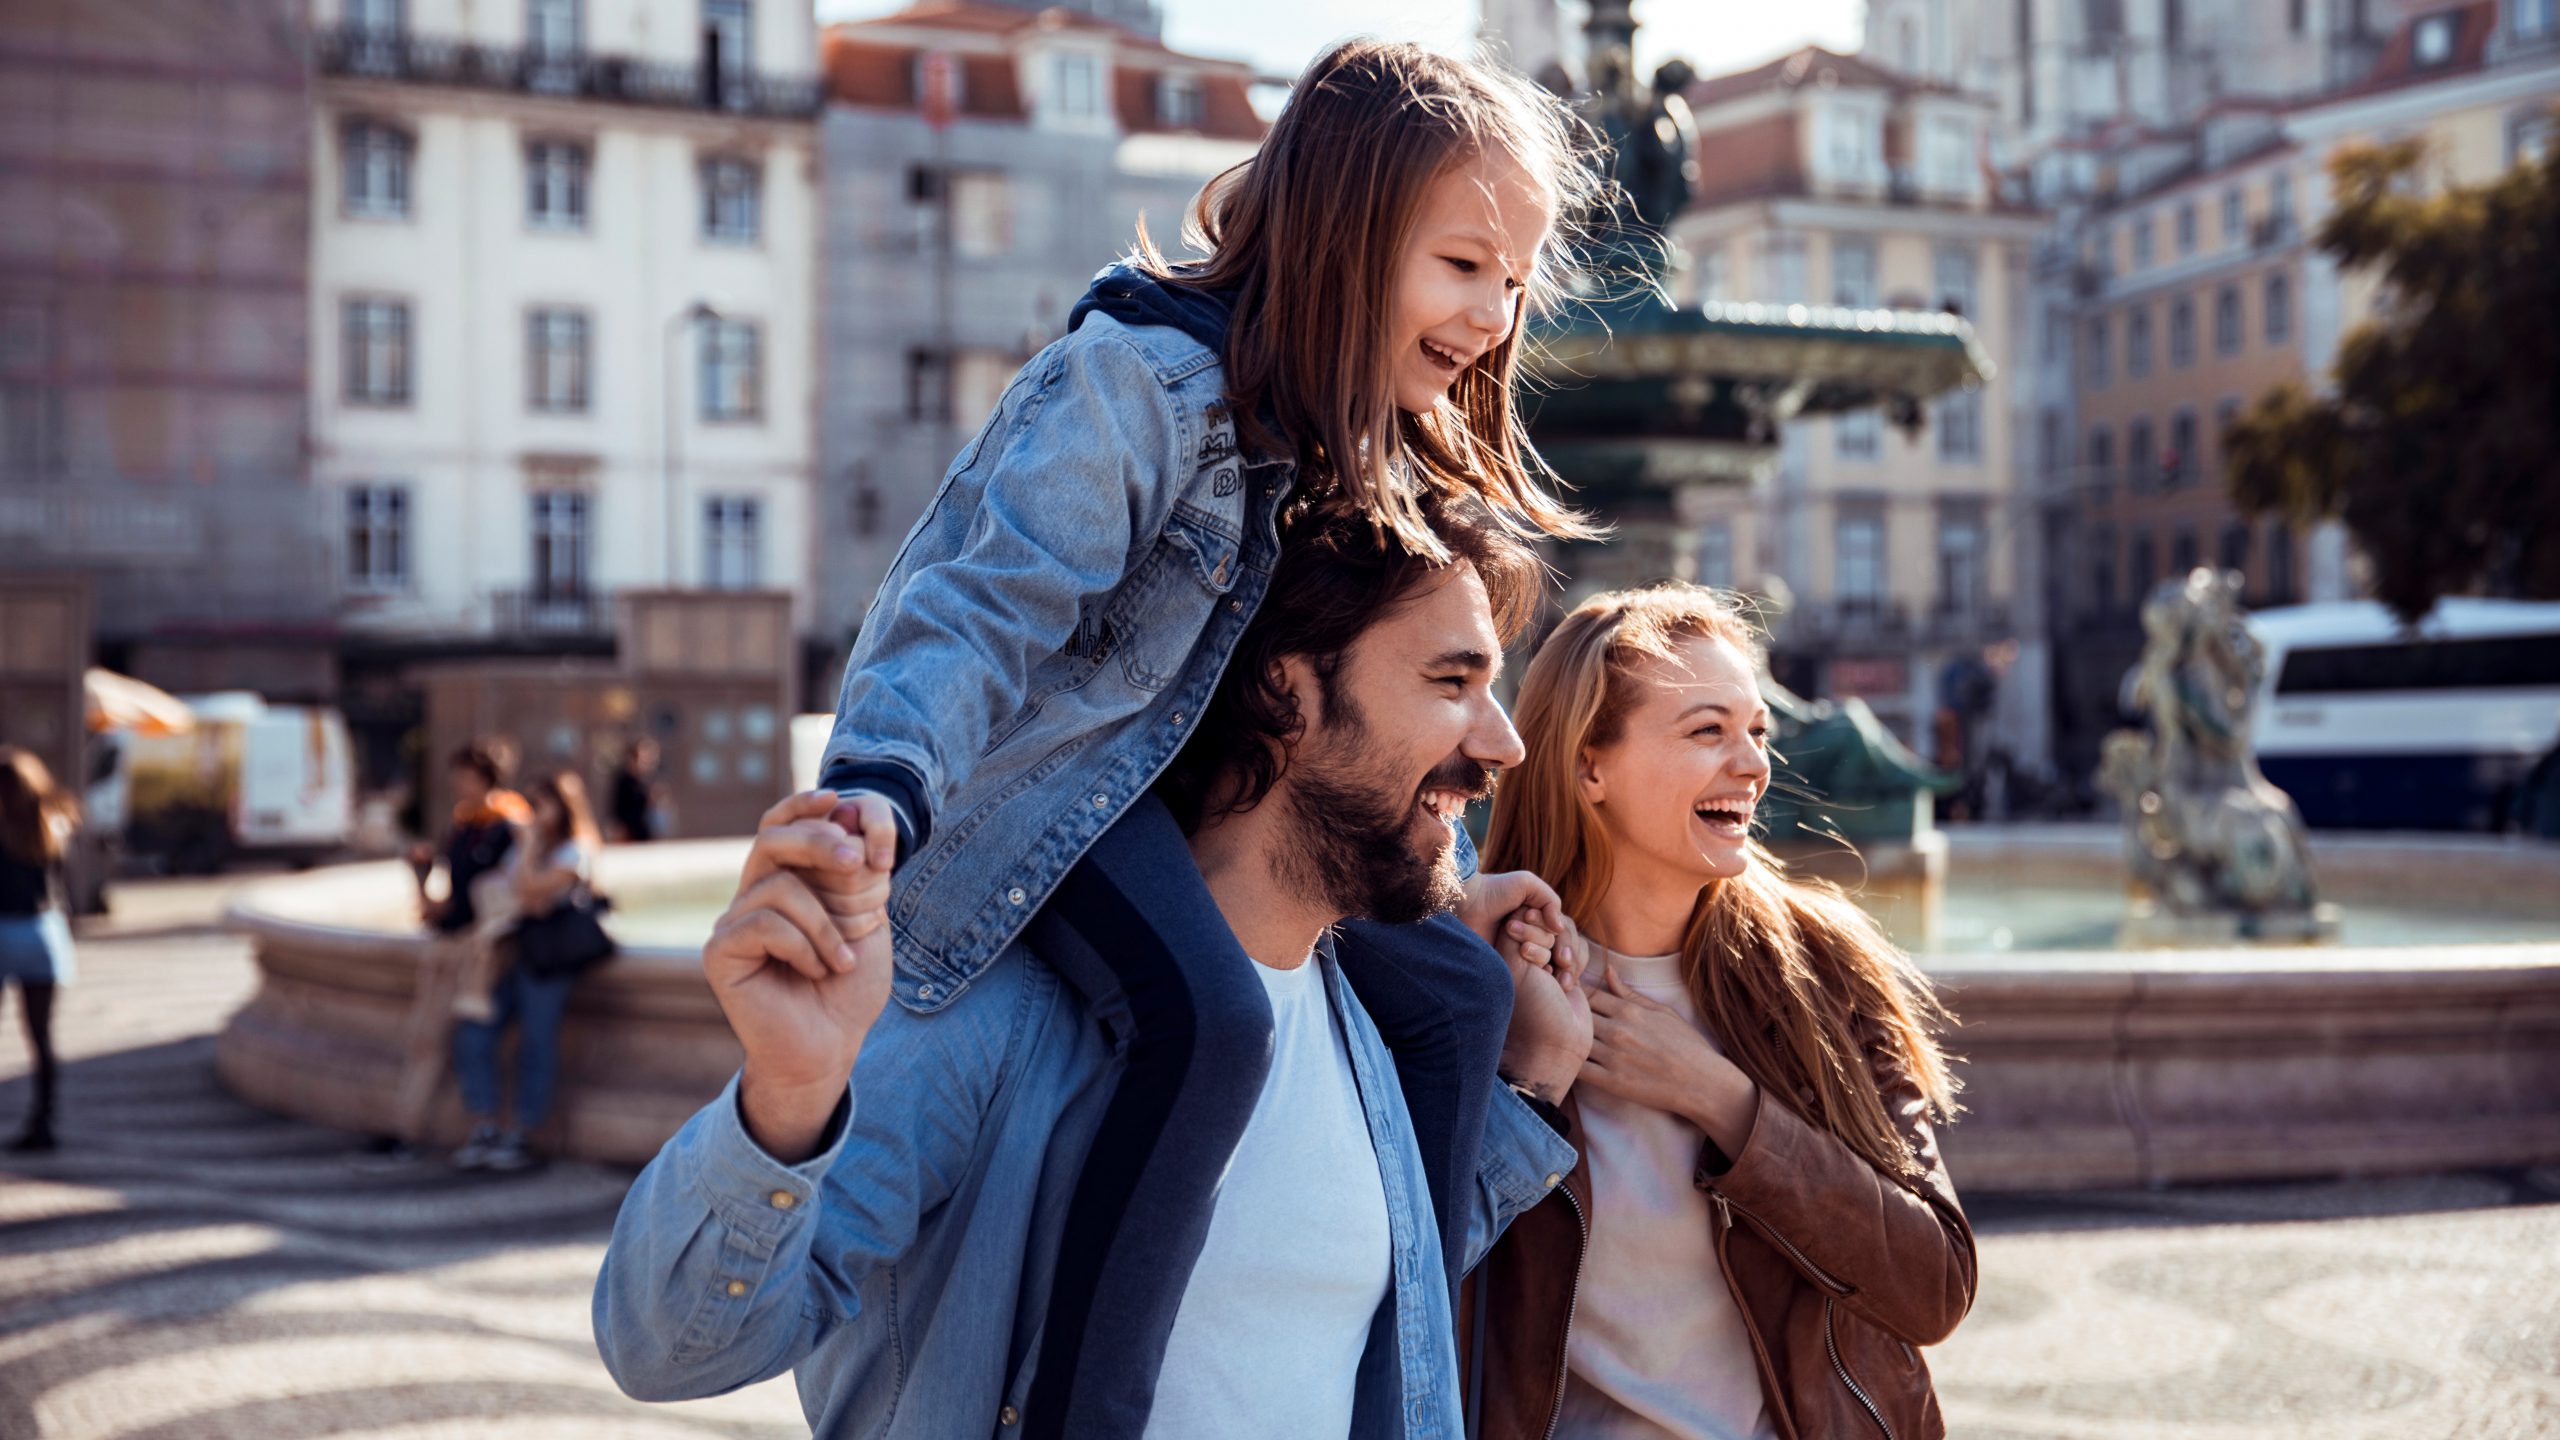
(567, 791)
(36, 815)
(1308, 235)
(1783, 971)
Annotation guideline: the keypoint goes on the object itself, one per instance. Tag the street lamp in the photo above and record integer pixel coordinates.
(671, 386)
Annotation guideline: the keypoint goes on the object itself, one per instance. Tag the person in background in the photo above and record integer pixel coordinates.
(485, 814)
(37, 821)
(633, 813)
(557, 859)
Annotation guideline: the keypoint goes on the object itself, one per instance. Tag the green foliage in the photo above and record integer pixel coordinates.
(2440, 449)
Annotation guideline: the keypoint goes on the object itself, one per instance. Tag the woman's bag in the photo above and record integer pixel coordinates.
(568, 938)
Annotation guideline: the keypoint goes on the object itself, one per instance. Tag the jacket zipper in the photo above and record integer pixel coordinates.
(1832, 1345)
(1803, 1261)
(1572, 1301)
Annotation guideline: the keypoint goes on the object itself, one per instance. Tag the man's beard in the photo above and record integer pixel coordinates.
(1353, 825)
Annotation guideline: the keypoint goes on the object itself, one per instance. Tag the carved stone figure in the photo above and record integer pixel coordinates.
(2218, 850)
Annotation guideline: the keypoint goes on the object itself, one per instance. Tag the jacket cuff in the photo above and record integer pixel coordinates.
(748, 1188)
(893, 782)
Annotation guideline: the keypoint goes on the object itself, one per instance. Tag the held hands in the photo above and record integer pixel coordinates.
(800, 965)
(1550, 1012)
(1645, 1053)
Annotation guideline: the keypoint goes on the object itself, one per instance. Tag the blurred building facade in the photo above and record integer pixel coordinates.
(982, 162)
(562, 304)
(154, 261)
(1907, 557)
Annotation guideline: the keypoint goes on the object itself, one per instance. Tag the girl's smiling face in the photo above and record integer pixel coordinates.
(1464, 271)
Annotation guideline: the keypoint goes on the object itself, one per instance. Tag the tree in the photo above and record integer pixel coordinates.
(2440, 449)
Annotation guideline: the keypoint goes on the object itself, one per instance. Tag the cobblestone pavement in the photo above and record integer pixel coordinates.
(188, 1268)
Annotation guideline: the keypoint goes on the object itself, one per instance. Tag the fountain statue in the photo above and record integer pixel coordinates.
(2218, 854)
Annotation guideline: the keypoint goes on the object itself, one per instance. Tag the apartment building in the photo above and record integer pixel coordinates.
(1908, 554)
(982, 161)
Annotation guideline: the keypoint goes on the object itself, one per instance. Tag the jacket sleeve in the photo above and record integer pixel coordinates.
(728, 1267)
(1901, 1256)
(1523, 1159)
(1079, 462)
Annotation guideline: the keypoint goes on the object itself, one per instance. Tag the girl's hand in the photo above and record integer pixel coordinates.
(1644, 1052)
(1491, 899)
(1550, 1014)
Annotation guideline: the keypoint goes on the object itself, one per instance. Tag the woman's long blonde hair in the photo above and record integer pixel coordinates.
(36, 815)
(1783, 971)
(1307, 236)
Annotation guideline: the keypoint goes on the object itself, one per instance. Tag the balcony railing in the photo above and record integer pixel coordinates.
(551, 612)
(433, 60)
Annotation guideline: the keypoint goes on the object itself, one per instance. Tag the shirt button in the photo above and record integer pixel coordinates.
(1177, 718)
(1236, 606)
(1554, 1180)
(783, 1199)
(1101, 802)
(737, 1288)
(924, 992)
(1015, 895)
(1008, 1416)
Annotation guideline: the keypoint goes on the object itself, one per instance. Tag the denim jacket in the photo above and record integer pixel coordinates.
(903, 1271)
(1056, 622)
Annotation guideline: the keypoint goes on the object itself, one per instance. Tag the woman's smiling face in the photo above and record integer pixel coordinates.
(1464, 270)
(1676, 790)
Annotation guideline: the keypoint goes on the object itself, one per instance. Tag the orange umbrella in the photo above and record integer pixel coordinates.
(120, 702)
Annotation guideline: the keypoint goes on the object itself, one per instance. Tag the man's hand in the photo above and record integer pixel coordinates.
(800, 991)
(1491, 899)
(1550, 1012)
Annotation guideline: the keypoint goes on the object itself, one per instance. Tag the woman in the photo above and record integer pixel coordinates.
(1760, 1231)
(557, 861)
(36, 822)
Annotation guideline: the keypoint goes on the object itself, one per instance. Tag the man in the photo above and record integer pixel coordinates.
(633, 805)
(893, 1241)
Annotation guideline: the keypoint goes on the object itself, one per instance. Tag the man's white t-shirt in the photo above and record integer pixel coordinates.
(1273, 1323)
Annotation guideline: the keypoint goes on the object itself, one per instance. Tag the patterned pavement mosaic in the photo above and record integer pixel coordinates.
(187, 1268)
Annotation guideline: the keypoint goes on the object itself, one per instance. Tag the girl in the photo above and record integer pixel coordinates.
(36, 823)
(1760, 1230)
(558, 857)
(1054, 627)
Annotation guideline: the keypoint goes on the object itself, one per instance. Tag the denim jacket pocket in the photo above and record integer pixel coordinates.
(1165, 606)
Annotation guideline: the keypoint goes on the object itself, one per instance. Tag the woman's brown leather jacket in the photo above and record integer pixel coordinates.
(1839, 1271)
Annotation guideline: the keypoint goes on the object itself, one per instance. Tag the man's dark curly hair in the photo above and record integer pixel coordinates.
(1338, 575)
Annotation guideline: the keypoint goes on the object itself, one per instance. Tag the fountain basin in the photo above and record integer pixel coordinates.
(2082, 1068)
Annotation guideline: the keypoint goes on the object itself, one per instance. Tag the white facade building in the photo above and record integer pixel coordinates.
(562, 307)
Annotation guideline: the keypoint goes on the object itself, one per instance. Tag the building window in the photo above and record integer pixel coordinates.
(2102, 569)
(2182, 331)
(1850, 141)
(981, 214)
(2529, 19)
(732, 199)
(2431, 42)
(2235, 547)
(1179, 102)
(2280, 563)
(2225, 410)
(30, 400)
(2179, 465)
(1954, 265)
(1853, 273)
(2279, 309)
(2183, 551)
(728, 50)
(555, 185)
(1963, 584)
(2098, 353)
(1858, 435)
(377, 538)
(560, 537)
(1960, 426)
(2187, 227)
(732, 369)
(2137, 342)
(2049, 440)
(2141, 467)
(2142, 243)
(377, 358)
(374, 171)
(556, 360)
(2296, 15)
(2529, 136)
(1782, 280)
(929, 386)
(2142, 565)
(732, 547)
(2233, 216)
(552, 42)
(1715, 554)
(1949, 157)
(1709, 268)
(2226, 320)
(2102, 467)
(2280, 199)
(374, 17)
(1859, 539)
(1075, 85)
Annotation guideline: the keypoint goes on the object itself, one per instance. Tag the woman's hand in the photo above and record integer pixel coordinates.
(1550, 1013)
(1645, 1053)
(1492, 899)
(799, 994)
